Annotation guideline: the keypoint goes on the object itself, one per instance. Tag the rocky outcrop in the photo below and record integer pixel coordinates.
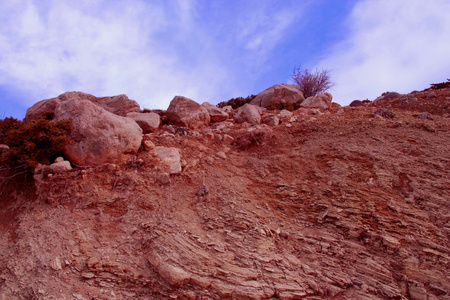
(287, 92)
(186, 112)
(321, 101)
(215, 113)
(248, 113)
(149, 122)
(99, 136)
(119, 105)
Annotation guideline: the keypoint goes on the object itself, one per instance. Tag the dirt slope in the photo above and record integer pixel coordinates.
(336, 206)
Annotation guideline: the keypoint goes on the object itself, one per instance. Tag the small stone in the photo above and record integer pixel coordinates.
(431, 95)
(203, 191)
(221, 154)
(383, 112)
(110, 167)
(87, 275)
(271, 120)
(209, 135)
(425, 115)
(228, 139)
(148, 145)
(60, 167)
(164, 178)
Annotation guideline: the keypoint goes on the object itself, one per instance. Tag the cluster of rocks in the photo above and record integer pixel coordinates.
(111, 129)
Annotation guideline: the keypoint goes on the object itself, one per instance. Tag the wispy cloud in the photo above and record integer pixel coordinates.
(392, 45)
(149, 50)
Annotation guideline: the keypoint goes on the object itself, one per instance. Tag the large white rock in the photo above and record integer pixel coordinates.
(149, 122)
(215, 113)
(99, 136)
(60, 166)
(119, 105)
(322, 101)
(287, 92)
(248, 113)
(186, 112)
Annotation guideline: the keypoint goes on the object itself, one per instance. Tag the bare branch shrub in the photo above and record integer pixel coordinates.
(312, 83)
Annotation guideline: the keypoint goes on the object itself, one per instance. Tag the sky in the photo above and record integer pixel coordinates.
(153, 50)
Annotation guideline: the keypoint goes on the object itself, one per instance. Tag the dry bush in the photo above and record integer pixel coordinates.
(312, 83)
(39, 141)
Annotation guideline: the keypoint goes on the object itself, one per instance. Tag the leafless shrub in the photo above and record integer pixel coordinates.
(312, 83)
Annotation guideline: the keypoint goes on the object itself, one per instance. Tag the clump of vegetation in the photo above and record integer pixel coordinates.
(441, 85)
(39, 141)
(236, 102)
(280, 105)
(312, 83)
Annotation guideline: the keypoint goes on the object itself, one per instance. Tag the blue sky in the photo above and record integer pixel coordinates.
(214, 50)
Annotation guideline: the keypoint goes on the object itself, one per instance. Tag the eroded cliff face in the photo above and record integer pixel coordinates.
(342, 206)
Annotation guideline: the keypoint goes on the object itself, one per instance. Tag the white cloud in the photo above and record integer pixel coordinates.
(393, 45)
(149, 50)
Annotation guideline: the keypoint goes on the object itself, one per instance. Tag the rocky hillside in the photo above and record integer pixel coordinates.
(335, 203)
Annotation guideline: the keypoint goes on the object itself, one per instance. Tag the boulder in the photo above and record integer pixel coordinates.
(170, 156)
(431, 95)
(271, 120)
(248, 113)
(321, 101)
(215, 113)
(387, 96)
(119, 105)
(285, 115)
(35, 111)
(186, 112)
(356, 103)
(287, 92)
(149, 122)
(99, 136)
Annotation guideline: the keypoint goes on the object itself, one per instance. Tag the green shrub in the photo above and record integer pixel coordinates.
(282, 105)
(39, 141)
(236, 102)
(441, 85)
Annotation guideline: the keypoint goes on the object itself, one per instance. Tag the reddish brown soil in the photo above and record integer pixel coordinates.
(336, 206)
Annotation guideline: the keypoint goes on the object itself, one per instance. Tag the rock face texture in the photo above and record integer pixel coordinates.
(215, 113)
(276, 93)
(119, 105)
(149, 122)
(100, 133)
(336, 206)
(186, 112)
(99, 136)
(248, 113)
